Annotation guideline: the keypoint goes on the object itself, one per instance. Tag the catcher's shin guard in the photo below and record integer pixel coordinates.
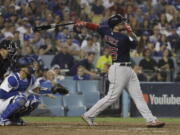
(15, 104)
(32, 103)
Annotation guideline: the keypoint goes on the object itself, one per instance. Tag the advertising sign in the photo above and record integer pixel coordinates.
(163, 99)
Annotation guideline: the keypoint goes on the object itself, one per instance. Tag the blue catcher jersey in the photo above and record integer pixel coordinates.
(119, 44)
(12, 84)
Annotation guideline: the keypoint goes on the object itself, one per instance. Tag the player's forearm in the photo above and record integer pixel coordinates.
(88, 25)
(130, 32)
(133, 36)
(92, 26)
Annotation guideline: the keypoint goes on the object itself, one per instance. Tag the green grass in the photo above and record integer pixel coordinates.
(100, 119)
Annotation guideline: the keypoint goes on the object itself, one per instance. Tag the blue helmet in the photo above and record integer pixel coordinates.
(27, 61)
(23, 62)
(30, 59)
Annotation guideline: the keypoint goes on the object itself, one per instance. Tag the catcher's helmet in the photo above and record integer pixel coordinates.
(23, 62)
(116, 19)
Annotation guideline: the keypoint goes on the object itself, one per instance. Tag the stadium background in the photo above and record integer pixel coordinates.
(156, 22)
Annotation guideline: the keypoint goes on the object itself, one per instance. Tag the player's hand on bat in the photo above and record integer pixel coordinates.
(128, 28)
(130, 31)
(80, 23)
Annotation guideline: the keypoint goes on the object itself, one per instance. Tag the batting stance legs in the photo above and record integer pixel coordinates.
(121, 77)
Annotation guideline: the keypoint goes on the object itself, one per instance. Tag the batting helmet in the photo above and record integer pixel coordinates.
(116, 19)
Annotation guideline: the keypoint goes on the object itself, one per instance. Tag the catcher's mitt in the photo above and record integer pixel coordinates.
(60, 89)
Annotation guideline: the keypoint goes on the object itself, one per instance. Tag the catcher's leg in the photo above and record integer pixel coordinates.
(31, 104)
(15, 104)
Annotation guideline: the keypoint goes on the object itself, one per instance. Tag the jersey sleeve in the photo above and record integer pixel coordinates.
(102, 30)
(9, 83)
(35, 84)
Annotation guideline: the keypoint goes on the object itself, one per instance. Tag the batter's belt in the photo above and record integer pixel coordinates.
(128, 64)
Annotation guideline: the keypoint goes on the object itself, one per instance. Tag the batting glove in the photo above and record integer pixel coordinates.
(128, 28)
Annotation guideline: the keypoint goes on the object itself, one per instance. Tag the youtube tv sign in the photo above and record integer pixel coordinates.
(163, 99)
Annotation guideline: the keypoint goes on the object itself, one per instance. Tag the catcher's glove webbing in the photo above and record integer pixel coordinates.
(60, 89)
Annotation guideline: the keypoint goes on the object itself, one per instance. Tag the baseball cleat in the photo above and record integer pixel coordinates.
(5, 122)
(155, 124)
(18, 122)
(88, 120)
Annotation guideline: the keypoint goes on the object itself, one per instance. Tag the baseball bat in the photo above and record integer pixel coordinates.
(50, 26)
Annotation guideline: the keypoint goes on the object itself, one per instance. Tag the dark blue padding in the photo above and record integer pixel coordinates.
(18, 102)
(6, 95)
(12, 81)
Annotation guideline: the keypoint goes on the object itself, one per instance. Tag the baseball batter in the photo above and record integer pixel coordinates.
(120, 75)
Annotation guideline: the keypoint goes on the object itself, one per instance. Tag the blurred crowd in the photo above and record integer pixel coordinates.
(82, 53)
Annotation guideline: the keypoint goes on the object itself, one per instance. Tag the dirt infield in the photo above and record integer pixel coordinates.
(80, 128)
